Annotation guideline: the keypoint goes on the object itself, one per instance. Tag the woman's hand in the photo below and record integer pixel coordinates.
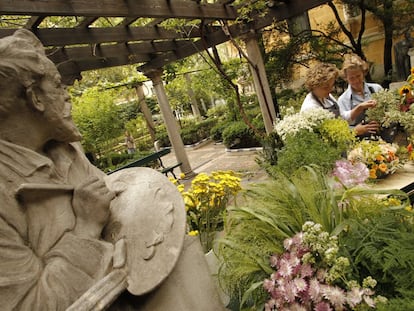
(368, 128)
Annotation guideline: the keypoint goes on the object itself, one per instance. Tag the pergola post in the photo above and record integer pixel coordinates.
(171, 124)
(145, 110)
(260, 81)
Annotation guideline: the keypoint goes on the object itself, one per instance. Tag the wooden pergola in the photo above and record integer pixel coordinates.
(135, 33)
(139, 35)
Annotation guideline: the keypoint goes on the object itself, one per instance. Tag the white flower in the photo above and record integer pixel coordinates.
(306, 120)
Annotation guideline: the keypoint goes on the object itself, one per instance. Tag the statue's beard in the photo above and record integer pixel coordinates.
(66, 131)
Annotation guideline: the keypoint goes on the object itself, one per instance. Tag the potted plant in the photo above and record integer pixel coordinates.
(206, 201)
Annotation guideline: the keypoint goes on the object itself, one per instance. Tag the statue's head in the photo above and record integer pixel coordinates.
(29, 80)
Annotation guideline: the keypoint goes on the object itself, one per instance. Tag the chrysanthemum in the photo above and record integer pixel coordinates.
(274, 259)
(285, 268)
(323, 306)
(306, 270)
(268, 284)
(314, 290)
(354, 296)
(300, 284)
(335, 295)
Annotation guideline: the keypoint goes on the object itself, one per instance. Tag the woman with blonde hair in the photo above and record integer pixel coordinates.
(357, 98)
(320, 80)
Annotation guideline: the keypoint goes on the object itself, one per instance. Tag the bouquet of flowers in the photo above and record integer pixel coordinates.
(380, 157)
(394, 106)
(206, 202)
(311, 137)
(311, 276)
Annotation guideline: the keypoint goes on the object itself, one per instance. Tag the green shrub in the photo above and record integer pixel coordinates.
(216, 131)
(190, 135)
(239, 135)
(306, 149)
(162, 136)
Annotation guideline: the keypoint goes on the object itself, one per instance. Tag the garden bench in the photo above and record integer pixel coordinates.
(153, 157)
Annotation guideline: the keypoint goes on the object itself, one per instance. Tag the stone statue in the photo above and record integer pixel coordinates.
(72, 238)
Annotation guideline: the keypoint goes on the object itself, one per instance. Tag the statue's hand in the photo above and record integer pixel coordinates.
(90, 202)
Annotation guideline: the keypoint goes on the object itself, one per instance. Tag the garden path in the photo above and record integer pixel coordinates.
(209, 156)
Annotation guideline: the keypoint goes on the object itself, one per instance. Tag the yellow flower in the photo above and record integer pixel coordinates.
(373, 173)
(405, 89)
(383, 167)
(379, 158)
(412, 70)
(193, 233)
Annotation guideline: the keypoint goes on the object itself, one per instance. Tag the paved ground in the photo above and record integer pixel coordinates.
(209, 157)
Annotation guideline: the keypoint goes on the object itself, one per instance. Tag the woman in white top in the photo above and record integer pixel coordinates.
(320, 80)
(357, 98)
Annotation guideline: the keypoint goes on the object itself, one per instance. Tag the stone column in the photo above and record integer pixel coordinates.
(171, 124)
(261, 83)
(145, 110)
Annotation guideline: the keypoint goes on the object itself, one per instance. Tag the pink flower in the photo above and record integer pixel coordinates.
(369, 301)
(354, 297)
(274, 260)
(306, 270)
(268, 284)
(297, 307)
(350, 174)
(300, 284)
(314, 290)
(285, 268)
(335, 295)
(323, 306)
(290, 292)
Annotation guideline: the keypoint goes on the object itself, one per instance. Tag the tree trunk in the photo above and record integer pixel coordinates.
(388, 33)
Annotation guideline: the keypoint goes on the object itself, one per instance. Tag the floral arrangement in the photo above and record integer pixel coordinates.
(380, 157)
(394, 106)
(206, 201)
(308, 120)
(310, 275)
(311, 137)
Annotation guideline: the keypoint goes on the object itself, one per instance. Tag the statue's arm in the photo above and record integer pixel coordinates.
(53, 282)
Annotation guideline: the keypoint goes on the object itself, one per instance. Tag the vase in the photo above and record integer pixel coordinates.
(394, 134)
(388, 133)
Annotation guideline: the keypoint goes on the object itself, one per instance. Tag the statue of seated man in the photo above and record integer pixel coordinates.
(57, 208)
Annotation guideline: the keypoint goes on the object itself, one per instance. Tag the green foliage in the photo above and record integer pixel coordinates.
(216, 131)
(162, 136)
(97, 117)
(239, 135)
(273, 212)
(382, 246)
(288, 99)
(306, 138)
(113, 160)
(375, 236)
(305, 149)
(194, 132)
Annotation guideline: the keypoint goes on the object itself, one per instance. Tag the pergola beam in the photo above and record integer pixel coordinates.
(118, 8)
(284, 11)
(78, 35)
